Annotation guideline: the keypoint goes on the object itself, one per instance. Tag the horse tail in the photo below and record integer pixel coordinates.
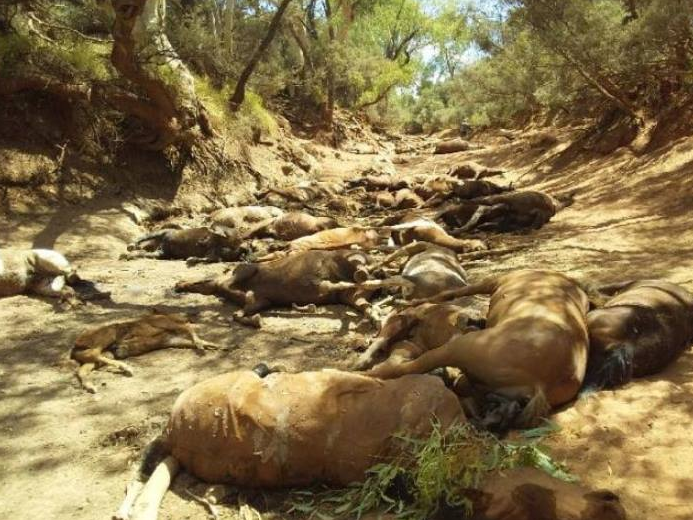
(152, 454)
(537, 408)
(610, 371)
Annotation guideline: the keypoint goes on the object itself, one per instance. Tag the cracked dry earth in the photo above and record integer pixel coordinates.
(66, 453)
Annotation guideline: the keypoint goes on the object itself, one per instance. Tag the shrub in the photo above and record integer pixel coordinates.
(252, 113)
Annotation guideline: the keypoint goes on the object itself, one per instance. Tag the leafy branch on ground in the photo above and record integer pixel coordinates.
(428, 473)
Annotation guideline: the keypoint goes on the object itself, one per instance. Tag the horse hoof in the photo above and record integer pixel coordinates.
(262, 370)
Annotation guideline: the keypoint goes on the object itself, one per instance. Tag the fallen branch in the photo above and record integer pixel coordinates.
(60, 160)
(60, 27)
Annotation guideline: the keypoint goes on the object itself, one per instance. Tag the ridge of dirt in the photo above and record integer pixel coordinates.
(630, 218)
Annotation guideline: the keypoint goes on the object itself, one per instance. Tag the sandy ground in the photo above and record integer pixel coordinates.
(66, 453)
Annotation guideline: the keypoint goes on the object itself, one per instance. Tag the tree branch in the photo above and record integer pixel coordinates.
(67, 29)
(379, 98)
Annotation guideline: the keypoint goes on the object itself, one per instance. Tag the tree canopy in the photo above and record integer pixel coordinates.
(182, 68)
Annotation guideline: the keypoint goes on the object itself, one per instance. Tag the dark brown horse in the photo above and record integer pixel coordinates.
(646, 326)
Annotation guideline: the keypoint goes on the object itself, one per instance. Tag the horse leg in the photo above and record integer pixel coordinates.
(201, 343)
(408, 251)
(251, 307)
(326, 286)
(123, 367)
(483, 213)
(440, 357)
(147, 504)
(366, 359)
(403, 352)
(155, 235)
(486, 286)
(193, 342)
(82, 372)
(88, 360)
(52, 287)
(194, 260)
(311, 307)
(253, 304)
(358, 299)
(133, 255)
(395, 327)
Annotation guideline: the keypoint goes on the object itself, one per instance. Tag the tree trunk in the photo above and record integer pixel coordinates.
(631, 11)
(143, 54)
(300, 37)
(239, 94)
(328, 109)
(228, 25)
(213, 19)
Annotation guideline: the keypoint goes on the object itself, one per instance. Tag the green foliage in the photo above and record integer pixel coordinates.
(451, 36)
(430, 472)
(252, 114)
(397, 28)
(14, 48)
(214, 99)
(73, 60)
(254, 109)
(410, 63)
(190, 35)
(519, 79)
(546, 56)
(83, 59)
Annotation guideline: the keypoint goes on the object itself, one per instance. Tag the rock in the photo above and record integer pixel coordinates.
(542, 139)
(289, 169)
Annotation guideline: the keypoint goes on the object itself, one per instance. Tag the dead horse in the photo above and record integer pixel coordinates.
(330, 427)
(534, 346)
(646, 326)
(291, 429)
